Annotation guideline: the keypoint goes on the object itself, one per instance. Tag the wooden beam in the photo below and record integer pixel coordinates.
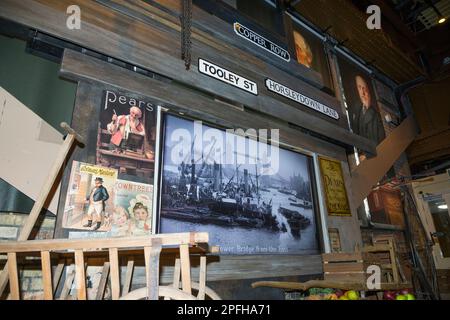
(70, 276)
(185, 268)
(128, 277)
(14, 286)
(57, 274)
(103, 281)
(115, 274)
(80, 275)
(47, 275)
(202, 279)
(370, 171)
(152, 270)
(169, 239)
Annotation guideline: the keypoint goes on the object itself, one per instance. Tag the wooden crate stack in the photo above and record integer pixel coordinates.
(344, 267)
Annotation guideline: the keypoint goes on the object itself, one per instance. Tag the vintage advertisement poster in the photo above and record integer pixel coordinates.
(250, 202)
(132, 209)
(90, 197)
(123, 172)
(98, 201)
(334, 186)
(126, 137)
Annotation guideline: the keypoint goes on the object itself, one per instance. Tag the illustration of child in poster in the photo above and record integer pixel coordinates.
(89, 200)
(133, 207)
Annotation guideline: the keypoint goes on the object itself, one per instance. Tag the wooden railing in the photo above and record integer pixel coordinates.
(151, 245)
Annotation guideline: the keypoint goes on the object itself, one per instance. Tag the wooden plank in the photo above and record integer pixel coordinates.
(371, 171)
(80, 275)
(169, 239)
(115, 277)
(185, 268)
(343, 267)
(14, 287)
(47, 275)
(76, 66)
(328, 257)
(128, 277)
(57, 274)
(70, 276)
(152, 270)
(326, 284)
(177, 274)
(103, 281)
(202, 279)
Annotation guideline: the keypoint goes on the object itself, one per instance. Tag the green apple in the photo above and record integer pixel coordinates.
(343, 298)
(401, 297)
(352, 295)
(410, 296)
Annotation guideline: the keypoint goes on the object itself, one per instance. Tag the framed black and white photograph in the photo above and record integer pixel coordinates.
(252, 197)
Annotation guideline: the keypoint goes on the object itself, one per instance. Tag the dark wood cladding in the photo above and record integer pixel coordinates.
(151, 41)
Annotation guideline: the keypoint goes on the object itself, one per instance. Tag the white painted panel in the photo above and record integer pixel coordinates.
(28, 147)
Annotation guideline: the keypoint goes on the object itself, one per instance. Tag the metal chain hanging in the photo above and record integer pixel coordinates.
(186, 17)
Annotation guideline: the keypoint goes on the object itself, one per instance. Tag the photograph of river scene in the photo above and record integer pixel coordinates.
(251, 199)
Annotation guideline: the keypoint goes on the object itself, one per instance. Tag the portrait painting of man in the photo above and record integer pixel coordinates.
(365, 118)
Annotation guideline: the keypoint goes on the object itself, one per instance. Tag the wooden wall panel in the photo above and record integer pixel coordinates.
(76, 66)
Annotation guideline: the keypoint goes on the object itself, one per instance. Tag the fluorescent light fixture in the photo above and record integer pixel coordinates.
(443, 207)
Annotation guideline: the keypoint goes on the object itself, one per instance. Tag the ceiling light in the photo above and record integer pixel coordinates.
(442, 20)
(443, 207)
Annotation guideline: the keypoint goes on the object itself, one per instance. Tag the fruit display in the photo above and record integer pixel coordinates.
(337, 294)
(331, 294)
(404, 294)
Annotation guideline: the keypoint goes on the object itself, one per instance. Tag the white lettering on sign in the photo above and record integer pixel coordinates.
(260, 41)
(226, 76)
(300, 98)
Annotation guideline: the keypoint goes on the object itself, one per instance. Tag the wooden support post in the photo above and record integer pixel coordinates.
(152, 269)
(202, 279)
(177, 274)
(47, 275)
(185, 268)
(128, 277)
(80, 275)
(13, 276)
(115, 277)
(393, 259)
(43, 194)
(103, 281)
(57, 275)
(70, 276)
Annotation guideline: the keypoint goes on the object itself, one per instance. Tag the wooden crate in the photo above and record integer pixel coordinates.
(344, 267)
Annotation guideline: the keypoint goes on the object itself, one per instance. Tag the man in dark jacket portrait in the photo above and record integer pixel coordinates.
(97, 199)
(366, 120)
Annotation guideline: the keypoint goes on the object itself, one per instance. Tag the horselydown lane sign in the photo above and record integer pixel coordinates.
(300, 98)
(226, 76)
(261, 42)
